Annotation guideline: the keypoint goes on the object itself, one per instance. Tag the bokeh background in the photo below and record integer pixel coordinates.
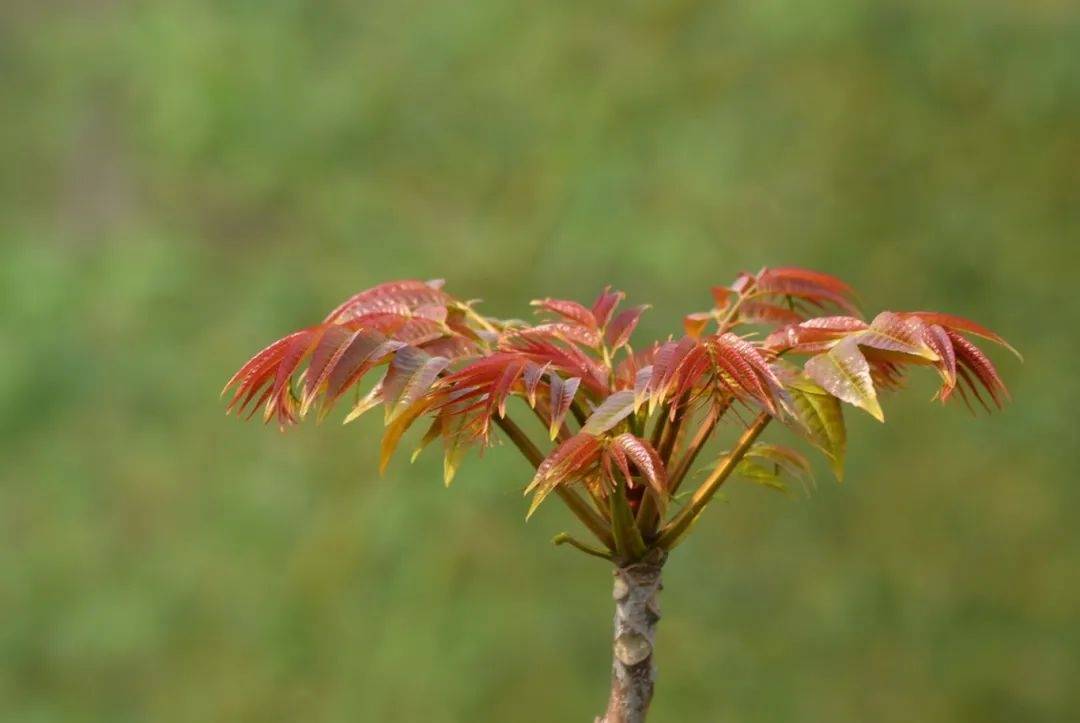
(182, 182)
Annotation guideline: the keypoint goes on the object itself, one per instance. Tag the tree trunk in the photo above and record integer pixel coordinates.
(636, 612)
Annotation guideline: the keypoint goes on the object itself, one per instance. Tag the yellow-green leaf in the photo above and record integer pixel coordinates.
(844, 372)
(821, 419)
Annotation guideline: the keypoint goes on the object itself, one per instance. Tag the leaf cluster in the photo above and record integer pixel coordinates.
(625, 424)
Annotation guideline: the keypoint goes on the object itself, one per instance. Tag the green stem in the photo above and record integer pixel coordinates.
(564, 539)
(665, 436)
(671, 436)
(579, 412)
(659, 426)
(628, 542)
(674, 530)
(678, 474)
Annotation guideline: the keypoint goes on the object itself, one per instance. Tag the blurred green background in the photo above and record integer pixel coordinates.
(182, 182)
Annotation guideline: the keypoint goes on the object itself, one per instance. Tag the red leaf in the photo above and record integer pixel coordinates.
(325, 357)
(814, 335)
(969, 357)
(411, 374)
(958, 323)
(364, 351)
(809, 285)
(824, 281)
(569, 461)
(604, 305)
(567, 332)
(619, 331)
(568, 359)
(532, 375)
(571, 310)
(895, 333)
(938, 339)
(694, 324)
(503, 387)
(761, 312)
(393, 295)
(746, 367)
(280, 401)
(646, 460)
(669, 357)
(258, 371)
(562, 396)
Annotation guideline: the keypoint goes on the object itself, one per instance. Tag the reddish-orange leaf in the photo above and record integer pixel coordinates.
(622, 326)
(694, 324)
(393, 295)
(569, 461)
(323, 359)
(970, 358)
(569, 332)
(762, 312)
(532, 375)
(895, 333)
(938, 339)
(280, 401)
(411, 374)
(499, 393)
(959, 323)
(562, 396)
(364, 351)
(645, 459)
(571, 310)
(808, 285)
(605, 304)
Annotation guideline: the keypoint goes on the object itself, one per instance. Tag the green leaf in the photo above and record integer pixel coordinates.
(760, 474)
(613, 410)
(821, 420)
(768, 464)
(844, 372)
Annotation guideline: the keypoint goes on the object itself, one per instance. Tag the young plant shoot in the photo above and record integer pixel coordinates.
(615, 431)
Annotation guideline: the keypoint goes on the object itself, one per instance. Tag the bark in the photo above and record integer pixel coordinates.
(637, 610)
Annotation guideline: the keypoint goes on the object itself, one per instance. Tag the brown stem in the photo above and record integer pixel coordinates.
(587, 515)
(673, 531)
(637, 610)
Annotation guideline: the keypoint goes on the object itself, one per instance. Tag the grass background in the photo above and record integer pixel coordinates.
(182, 182)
